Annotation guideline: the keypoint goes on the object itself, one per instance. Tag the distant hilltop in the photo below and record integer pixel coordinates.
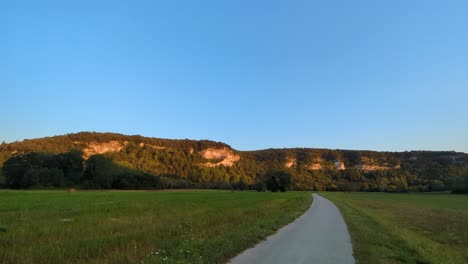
(204, 163)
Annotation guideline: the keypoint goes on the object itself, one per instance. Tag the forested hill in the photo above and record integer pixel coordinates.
(109, 160)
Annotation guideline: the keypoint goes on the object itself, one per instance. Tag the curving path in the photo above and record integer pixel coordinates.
(319, 236)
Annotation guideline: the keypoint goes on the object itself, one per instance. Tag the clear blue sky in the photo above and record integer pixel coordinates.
(379, 75)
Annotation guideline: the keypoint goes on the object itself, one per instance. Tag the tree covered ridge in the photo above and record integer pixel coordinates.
(164, 163)
(65, 143)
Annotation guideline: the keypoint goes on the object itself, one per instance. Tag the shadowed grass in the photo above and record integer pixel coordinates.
(131, 227)
(406, 228)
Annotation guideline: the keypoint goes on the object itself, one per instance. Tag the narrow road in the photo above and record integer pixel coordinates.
(319, 236)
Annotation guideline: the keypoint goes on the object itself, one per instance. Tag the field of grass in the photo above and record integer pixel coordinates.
(139, 227)
(406, 228)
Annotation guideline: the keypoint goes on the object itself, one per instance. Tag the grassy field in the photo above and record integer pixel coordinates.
(406, 228)
(135, 227)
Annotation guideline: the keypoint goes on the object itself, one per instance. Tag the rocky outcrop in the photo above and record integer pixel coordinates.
(94, 148)
(315, 166)
(369, 164)
(340, 165)
(290, 162)
(226, 155)
(151, 146)
(369, 167)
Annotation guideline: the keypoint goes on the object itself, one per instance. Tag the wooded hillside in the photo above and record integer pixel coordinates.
(109, 160)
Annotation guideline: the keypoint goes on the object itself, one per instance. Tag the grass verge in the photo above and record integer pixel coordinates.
(406, 228)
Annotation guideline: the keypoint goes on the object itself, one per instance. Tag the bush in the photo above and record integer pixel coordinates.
(461, 185)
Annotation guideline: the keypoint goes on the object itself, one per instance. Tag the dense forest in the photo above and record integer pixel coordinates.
(114, 161)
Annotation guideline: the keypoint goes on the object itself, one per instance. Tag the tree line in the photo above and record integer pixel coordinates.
(58, 162)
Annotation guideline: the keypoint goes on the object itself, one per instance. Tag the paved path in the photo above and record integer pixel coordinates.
(319, 236)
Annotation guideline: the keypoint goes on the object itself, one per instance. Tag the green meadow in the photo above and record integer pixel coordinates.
(139, 226)
(406, 228)
(213, 226)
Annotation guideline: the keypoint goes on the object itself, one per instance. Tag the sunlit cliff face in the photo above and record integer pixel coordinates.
(227, 155)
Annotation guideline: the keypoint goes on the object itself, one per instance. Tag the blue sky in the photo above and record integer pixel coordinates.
(378, 75)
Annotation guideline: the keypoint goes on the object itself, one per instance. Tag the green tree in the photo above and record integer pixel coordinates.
(260, 187)
(100, 172)
(437, 185)
(277, 180)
